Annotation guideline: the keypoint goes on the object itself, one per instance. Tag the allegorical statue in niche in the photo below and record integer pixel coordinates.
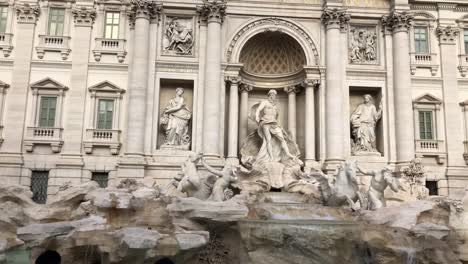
(179, 37)
(276, 142)
(363, 122)
(175, 121)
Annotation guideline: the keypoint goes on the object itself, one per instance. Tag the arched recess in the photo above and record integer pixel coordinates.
(256, 26)
(49, 257)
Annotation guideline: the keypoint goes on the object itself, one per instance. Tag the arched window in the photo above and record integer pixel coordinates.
(49, 257)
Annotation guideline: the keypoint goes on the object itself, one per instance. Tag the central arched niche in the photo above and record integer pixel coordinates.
(275, 60)
(272, 54)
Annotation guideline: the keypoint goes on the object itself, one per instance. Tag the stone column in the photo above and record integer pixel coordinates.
(142, 12)
(310, 121)
(19, 89)
(233, 117)
(399, 23)
(333, 20)
(292, 90)
(448, 37)
(244, 111)
(213, 12)
(76, 96)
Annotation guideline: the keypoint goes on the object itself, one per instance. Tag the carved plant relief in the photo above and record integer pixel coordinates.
(362, 47)
(178, 36)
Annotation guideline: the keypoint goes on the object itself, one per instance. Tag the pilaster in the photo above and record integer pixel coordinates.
(310, 85)
(233, 118)
(448, 36)
(244, 111)
(399, 23)
(213, 12)
(292, 91)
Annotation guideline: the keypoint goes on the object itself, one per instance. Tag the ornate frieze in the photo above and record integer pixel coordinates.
(178, 36)
(144, 9)
(397, 21)
(84, 16)
(448, 34)
(27, 13)
(335, 17)
(362, 47)
(212, 11)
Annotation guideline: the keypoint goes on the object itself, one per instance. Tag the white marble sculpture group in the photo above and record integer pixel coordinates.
(270, 161)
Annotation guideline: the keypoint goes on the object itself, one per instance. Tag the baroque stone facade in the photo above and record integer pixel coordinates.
(88, 99)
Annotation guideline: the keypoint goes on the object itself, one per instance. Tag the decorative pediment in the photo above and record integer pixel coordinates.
(106, 87)
(48, 84)
(427, 99)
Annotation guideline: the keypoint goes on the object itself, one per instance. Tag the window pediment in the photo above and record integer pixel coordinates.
(427, 99)
(48, 84)
(106, 87)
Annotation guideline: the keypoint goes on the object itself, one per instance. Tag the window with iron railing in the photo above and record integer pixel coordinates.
(102, 178)
(3, 18)
(111, 27)
(56, 22)
(421, 42)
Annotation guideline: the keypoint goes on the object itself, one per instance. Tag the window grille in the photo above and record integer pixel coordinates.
(39, 183)
(102, 178)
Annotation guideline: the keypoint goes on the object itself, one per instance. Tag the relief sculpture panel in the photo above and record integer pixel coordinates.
(362, 45)
(178, 36)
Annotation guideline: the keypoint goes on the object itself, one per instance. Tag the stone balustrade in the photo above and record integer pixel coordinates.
(6, 43)
(44, 136)
(102, 138)
(110, 46)
(53, 44)
(424, 60)
(431, 148)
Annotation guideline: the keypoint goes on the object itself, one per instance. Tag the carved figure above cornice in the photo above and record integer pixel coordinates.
(84, 16)
(146, 9)
(448, 34)
(27, 13)
(397, 21)
(212, 10)
(335, 17)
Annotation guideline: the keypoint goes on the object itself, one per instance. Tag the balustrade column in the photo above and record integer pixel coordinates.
(213, 12)
(448, 37)
(142, 11)
(233, 117)
(292, 90)
(334, 101)
(244, 111)
(26, 15)
(399, 23)
(310, 121)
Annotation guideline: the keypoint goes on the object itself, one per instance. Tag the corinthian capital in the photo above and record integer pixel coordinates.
(245, 88)
(233, 79)
(335, 17)
(311, 82)
(397, 21)
(212, 11)
(292, 89)
(27, 13)
(84, 16)
(448, 34)
(146, 9)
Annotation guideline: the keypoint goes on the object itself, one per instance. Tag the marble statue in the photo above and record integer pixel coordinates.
(269, 156)
(191, 183)
(363, 122)
(221, 191)
(342, 189)
(179, 36)
(175, 121)
(362, 45)
(414, 176)
(381, 179)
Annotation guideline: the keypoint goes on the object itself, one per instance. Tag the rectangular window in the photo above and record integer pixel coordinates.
(105, 114)
(111, 30)
(3, 18)
(432, 186)
(425, 125)
(39, 183)
(465, 40)
(101, 178)
(47, 111)
(421, 40)
(56, 21)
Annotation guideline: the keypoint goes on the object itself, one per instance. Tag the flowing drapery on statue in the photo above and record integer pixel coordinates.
(363, 122)
(175, 121)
